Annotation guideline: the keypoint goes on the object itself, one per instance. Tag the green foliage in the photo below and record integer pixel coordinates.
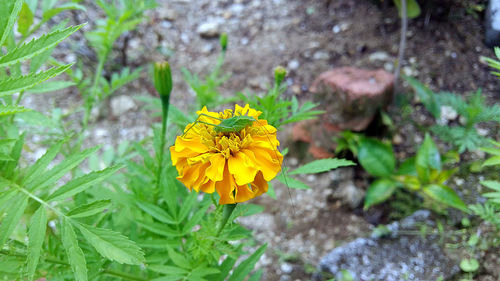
(206, 89)
(277, 110)
(422, 174)
(412, 8)
(472, 111)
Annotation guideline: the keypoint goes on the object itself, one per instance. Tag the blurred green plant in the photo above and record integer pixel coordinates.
(278, 110)
(473, 111)
(121, 16)
(206, 89)
(422, 174)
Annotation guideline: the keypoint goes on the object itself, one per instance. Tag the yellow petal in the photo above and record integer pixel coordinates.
(216, 170)
(242, 168)
(225, 188)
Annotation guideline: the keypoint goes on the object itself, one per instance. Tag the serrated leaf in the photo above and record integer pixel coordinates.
(25, 20)
(379, 191)
(247, 265)
(9, 223)
(41, 164)
(37, 46)
(112, 245)
(90, 209)
(36, 235)
(51, 86)
(9, 9)
(12, 109)
(156, 212)
(52, 175)
(376, 158)
(14, 85)
(80, 184)
(75, 254)
(446, 195)
(322, 165)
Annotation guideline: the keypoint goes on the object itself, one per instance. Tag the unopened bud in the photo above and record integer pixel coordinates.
(223, 41)
(163, 78)
(279, 74)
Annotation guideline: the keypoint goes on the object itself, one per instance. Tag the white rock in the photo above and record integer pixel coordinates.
(208, 29)
(447, 114)
(121, 104)
(286, 268)
(321, 55)
(383, 56)
(293, 64)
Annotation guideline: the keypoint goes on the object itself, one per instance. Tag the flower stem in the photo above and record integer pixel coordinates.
(226, 213)
(165, 105)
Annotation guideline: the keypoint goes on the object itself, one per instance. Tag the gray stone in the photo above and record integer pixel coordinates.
(121, 104)
(395, 257)
(349, 194)
(208, 29)
(382, 56)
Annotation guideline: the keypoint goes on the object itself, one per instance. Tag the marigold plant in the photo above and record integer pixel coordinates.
(236, 163)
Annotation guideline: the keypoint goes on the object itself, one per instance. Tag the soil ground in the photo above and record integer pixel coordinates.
(307, 37)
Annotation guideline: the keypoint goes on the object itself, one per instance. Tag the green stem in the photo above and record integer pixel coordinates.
(123, 275)
(16, 103)
(165, 103)
(92, 95)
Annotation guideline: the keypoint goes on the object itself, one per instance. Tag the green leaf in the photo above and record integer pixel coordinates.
(25, 19)
(469, 265)
(51, 86)
(179, 259)
(80, 184)
(52, 175)
(48, 14)
(427, 158)
(112, 245)
(75, 254)
(156, 212)
(10, 221)
(224, 268)
(446, 195)
(322, 165)
(37, 46)
(168, 269)
(426, 96)
(256, 276)
(36, 235)
(379, 191)
(91, 209)
(41, 164)
(247, 265)
(12, 109)
(291, 182)
(9, 9)
(492, 161)
(412, 8)
(376, 158)
(14, 85)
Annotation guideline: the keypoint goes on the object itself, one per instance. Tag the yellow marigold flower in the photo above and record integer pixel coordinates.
(237, 165)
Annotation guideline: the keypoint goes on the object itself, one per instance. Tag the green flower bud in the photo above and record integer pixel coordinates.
(223, 41)
(163, 79)
(279, 74)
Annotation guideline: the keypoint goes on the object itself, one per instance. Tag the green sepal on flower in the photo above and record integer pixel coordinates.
(163, 80)
(223, 41)
(279, 75)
